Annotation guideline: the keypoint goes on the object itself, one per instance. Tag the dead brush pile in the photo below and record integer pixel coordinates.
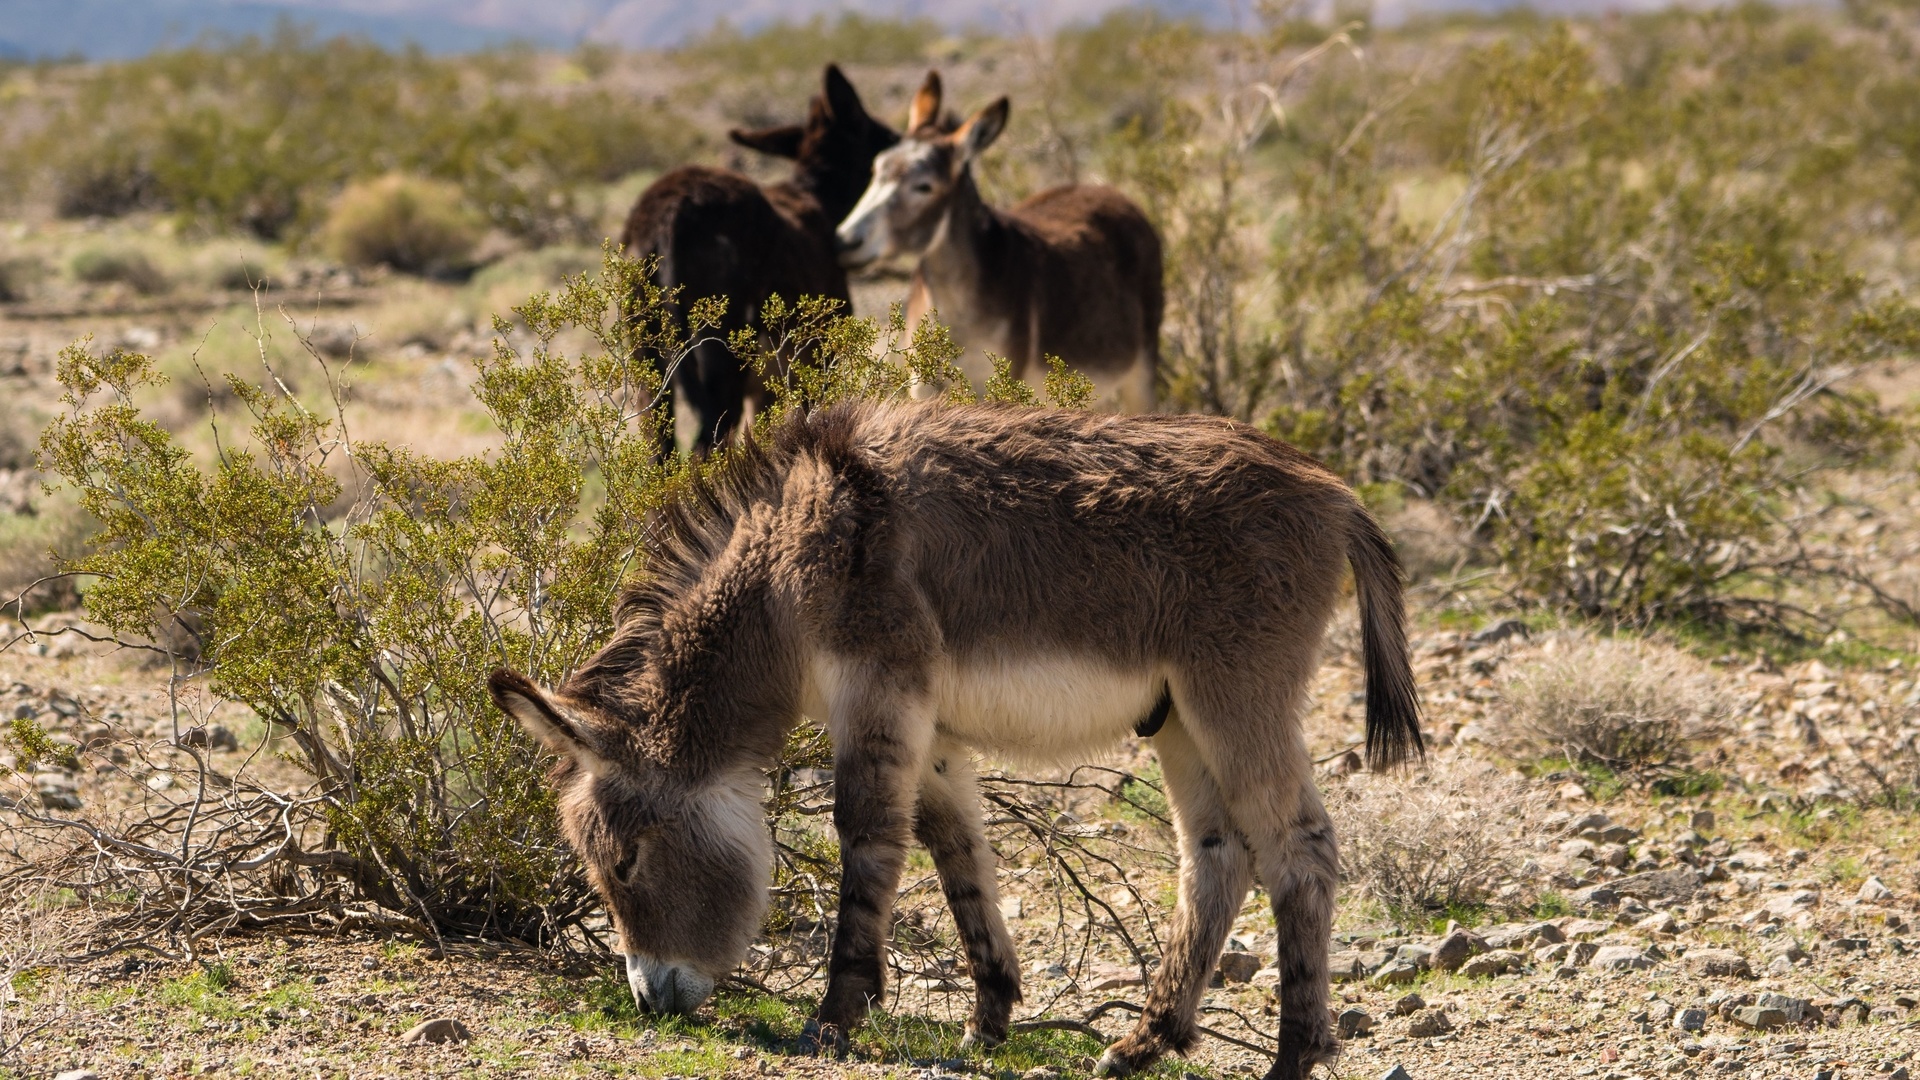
(1621, 703)
(1451, 837)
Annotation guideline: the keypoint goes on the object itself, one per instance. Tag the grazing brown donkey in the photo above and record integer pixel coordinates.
(1072, 272)
(931, 580)
(718, 233)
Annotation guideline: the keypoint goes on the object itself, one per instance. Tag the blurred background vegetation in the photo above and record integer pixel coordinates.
(1617, 310)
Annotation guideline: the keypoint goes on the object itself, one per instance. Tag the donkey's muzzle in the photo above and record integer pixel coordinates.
(665, 987)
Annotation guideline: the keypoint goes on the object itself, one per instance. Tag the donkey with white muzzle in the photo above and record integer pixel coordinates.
(931, 580)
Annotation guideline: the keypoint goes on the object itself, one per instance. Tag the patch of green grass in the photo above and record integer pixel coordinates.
(1601, 782)
(1552, 905)
(1690, 783)
(204, 991)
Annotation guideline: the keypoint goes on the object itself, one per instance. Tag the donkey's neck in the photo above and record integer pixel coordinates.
(957, 268)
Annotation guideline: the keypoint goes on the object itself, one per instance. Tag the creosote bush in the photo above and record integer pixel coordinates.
(1618, 702)
(108, 266)
(414, 225)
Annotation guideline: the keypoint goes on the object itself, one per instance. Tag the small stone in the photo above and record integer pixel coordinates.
(1398, 1072)
(1677, 885)
(78, 1074)
(1690, 1020)
(1578, 849)
(1875, 891)
(1780, 966)
(1429, 1023)
(1885, 1014)
(1618, 834)
(1237, 967)
(1396, 973)
(1454, 949)
(1702, 820)
(1659, 1012)
(438, 1030)
(1353, 1022)
(1414, 954)
(1347, 966)
(1545, 932)
(1795, 1008)
(1590, 822)
(1660, 922)
(1620, 958)
(1488, 964)
(1011, 907)
(1898, 1074)
(1595, 896)
(1041, 1072)
(1759, 1018)
(1717, 963)
(1408, 1005)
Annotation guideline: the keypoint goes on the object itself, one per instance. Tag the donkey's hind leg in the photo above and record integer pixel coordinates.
(1215, 873)
(948, 823)
(1280, 814)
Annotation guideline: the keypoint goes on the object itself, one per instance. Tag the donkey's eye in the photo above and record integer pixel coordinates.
(625, 866)
(923, 188)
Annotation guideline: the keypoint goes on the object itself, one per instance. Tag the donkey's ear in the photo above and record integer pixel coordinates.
(783, 141)
(519, 698)
(926, 104)
(981, 129)
(843, 101)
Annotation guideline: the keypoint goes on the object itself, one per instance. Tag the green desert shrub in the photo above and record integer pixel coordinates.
(1588, 294)
(122, 266)
(258, 134)
(414, 225)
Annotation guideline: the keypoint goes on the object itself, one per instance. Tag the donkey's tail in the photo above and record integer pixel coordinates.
(1393, 704)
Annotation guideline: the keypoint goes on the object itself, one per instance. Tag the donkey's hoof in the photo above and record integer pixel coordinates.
(1115, 1063)
(821, 1039)
(975, 1039)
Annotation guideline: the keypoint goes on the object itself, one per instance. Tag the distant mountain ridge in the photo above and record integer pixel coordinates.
(118, 29)
(114, 29)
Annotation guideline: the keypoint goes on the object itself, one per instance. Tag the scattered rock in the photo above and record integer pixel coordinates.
(1595, 896)
(1348, 965)
(1690, 1020)
(1875, 891)
(1011, 907)
(1717, 963)
(1499, 632)
(1620, 958)
(1429, 1023)
(1237, 967)
(1759, 1018)
(1494, 962)
(1454, 949)
(1398, 1072)
(1353, 1022)
(78, 1074)
(1113, 978)
(1408, 1005)
(438, 1030)
(1677, 885)
(1797, 1009)
(1396, 973)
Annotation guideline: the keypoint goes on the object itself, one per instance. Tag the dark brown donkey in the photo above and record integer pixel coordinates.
(718, 233)
(928, 581)
(1072, 272)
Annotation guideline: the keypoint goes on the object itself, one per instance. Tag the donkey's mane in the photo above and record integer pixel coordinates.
(689, 532)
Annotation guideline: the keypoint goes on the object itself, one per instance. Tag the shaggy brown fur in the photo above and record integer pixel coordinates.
(928, 581)
(1073, 272)
(718, 233)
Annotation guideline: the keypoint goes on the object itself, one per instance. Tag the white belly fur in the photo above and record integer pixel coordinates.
(1026, 710)
(1040, 710)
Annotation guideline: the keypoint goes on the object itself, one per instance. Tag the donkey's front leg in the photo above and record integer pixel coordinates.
(880, 744)
(949, 825)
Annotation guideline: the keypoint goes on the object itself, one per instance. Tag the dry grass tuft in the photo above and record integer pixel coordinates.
(1450, 837)
(1617, 702)
(414, 225)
